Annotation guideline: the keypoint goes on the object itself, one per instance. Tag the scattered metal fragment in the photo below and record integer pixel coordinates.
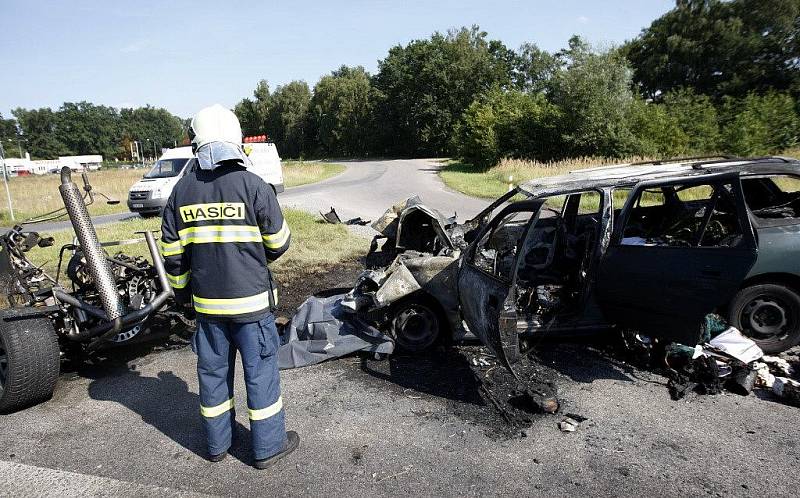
(332, 217)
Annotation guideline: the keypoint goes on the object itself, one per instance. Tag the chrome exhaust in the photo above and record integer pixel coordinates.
(96, 262)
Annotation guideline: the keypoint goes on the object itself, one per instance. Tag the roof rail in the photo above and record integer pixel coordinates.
(699, 165)
(657, 162)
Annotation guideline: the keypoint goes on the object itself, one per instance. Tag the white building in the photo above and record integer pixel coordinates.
(79, 163)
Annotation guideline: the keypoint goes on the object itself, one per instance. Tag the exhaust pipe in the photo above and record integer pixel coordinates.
(98, 266)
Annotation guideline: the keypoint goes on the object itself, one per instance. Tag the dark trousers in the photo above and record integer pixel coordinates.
(216, 344)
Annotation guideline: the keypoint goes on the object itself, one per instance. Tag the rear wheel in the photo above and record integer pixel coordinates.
(769, 314)
(29, 362)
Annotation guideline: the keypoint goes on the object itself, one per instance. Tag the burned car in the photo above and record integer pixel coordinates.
(652, 247)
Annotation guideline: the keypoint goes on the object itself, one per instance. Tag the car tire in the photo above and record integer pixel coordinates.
(29, 362)
(415, 325)
(769, 314)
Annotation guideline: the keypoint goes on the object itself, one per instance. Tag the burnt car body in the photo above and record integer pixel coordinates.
(649, 246)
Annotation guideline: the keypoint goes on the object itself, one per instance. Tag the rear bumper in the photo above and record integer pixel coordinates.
(146, 205)
(278, 187)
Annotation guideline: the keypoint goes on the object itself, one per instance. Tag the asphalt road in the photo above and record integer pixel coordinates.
(368, 188)
(395, 428)
(365, 189)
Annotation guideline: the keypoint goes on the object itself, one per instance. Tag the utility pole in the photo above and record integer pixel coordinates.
(5, 181)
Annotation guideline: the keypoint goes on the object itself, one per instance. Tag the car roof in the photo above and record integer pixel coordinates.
(629, 174)
(178, 153)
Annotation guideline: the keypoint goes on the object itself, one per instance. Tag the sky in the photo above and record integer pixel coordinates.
(184, 55)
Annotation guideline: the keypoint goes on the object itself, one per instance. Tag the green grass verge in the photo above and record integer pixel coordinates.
(314, 243)
(493, 182)
(302, 172)
(35, 195)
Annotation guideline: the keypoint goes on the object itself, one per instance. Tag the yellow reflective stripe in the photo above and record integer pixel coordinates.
(219, 233)
(267, 412)
(277, 240)
(171, 248)
(233, 306)
(216, 411)
(180, 281)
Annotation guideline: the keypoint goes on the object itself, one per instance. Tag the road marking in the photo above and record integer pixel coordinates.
(17, 479)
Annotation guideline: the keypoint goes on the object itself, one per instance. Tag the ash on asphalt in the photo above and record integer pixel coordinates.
(484, 394)
(465, 379)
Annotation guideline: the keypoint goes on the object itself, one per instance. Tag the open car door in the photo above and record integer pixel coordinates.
(486, 275)
(680, 250)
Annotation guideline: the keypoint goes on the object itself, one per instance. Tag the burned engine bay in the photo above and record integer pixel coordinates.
(418, 252)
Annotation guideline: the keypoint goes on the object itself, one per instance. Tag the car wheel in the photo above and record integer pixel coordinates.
(415, 326)
(29, 362)
(769, 314)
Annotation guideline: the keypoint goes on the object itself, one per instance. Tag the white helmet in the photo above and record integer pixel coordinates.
(215, 124)
(216, 137)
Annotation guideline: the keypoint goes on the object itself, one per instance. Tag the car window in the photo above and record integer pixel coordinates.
(589, 203)
(773, 198)
(684, 216)
(497, 250)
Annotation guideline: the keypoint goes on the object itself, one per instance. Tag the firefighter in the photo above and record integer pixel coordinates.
(221, 227)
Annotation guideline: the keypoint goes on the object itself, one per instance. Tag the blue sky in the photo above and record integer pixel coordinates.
(184, 55)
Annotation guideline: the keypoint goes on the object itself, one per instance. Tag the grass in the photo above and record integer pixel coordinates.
(494, 182)
(34, 195)
(303, 172)
(309, 236)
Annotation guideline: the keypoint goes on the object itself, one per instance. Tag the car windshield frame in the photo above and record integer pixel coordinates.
(157, 172)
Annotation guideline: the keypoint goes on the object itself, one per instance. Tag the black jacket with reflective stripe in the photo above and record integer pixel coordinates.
(220, 228)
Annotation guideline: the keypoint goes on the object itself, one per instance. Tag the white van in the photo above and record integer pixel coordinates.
(149, 195)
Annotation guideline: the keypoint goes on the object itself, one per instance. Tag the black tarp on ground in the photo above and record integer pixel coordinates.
(321, 330)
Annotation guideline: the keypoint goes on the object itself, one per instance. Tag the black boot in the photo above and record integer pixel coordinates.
(292, 442)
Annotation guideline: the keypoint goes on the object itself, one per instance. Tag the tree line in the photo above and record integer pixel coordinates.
(708, 76)
(85, 128)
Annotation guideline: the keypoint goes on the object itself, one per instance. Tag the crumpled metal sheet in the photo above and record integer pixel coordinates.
(321, 330)
(388, 222)
(399, 284)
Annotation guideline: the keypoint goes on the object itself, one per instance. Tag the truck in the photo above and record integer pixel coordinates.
(149, 195)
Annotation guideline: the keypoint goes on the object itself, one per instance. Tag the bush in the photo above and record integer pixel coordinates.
(656, 131)
(759, 124)
(697, 118)
(507, 124)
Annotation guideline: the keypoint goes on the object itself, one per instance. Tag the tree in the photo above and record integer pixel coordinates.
(287, 118)
(593, 91)
(697, 118)
(253, 114)
(341, 113)
(154, 127)
(39, 132)
(508, 124)
(759, 124)
(533, 68)
(719, 48)
(9, 136)
(85, 128)
(427, 84)
(657, 132)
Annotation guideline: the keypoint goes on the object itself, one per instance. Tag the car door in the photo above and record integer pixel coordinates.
(486, 275)
(672, 262)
